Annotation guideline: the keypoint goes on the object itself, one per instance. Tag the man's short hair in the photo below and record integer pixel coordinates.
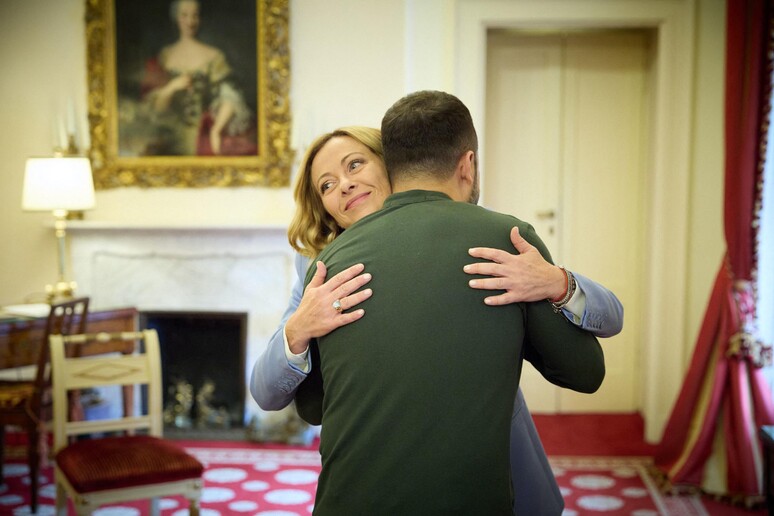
(425, 133)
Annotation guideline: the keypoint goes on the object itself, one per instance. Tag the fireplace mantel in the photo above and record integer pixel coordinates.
(79, 226)
(220, 267)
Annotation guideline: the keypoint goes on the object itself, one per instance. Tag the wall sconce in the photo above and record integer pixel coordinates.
(59, 184)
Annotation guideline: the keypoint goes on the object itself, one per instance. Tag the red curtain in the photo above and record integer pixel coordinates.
(711, 439)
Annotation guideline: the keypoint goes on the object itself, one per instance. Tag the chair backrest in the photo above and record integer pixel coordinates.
(64, 318)
(121, 359)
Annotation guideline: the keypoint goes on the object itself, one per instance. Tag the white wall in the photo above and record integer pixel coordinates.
(43, 53)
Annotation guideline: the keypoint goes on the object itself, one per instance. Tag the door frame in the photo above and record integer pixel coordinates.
(463, 26)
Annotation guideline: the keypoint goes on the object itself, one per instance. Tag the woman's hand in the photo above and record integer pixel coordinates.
(316, 316)
(181, 82)
(526, 276)
(162, 97)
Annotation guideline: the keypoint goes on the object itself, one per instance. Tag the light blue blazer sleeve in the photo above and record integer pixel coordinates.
(603, 315)
(274, 380)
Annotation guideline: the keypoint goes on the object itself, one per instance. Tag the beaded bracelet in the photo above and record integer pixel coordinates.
(571, 285)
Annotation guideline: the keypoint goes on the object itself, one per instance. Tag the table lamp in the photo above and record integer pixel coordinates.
(59, 184)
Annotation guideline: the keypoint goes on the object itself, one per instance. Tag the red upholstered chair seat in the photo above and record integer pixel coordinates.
(126, 461)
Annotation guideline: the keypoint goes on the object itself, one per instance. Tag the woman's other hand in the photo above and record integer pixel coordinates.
(162, 97)
(524, 277)
(315, 316)
(181, 82)
(224, 114)
(215, 141)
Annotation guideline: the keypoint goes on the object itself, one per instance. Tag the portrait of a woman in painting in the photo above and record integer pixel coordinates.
(179, 90)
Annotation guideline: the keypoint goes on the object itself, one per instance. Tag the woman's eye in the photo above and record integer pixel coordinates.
(326, 186)
(355, 163)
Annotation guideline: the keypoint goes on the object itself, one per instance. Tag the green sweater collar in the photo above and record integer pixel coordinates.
(413, 197)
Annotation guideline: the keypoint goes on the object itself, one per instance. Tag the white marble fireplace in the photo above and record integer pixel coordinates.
(227, 268)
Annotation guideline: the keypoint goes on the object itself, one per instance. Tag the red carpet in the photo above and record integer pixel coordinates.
(601, 463)
(241, 478)
(608, 438)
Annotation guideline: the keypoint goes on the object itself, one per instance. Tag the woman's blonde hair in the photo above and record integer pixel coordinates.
(312, 228)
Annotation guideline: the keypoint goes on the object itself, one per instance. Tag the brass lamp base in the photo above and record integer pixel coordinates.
(60, 291)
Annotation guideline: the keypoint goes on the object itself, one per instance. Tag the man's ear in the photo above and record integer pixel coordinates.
(466, 170)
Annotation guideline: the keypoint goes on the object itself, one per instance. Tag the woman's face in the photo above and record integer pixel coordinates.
(188, 17)
(350, 179)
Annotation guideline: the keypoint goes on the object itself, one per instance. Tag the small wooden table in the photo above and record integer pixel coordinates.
(20, 339)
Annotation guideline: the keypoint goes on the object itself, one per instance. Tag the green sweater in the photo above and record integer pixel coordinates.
(418, 394)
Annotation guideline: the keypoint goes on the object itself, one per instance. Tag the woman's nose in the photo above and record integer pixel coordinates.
(347, 185)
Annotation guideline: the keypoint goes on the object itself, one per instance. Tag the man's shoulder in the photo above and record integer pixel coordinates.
(453, 213)
(495, 218)
(496, 224)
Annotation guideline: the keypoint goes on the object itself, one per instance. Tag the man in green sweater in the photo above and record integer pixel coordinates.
(418, 395)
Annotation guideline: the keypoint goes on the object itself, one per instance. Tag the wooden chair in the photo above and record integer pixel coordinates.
(133, 463)
(26, 402)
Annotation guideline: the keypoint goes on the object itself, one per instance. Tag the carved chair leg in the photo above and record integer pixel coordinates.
(2, 450)
(84, 507)
(154, 506)
(61, 501)
(33, 460)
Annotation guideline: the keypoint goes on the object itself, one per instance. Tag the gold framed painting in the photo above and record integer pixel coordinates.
(188, 93)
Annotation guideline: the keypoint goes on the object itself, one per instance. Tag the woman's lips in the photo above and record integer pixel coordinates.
(356, 200)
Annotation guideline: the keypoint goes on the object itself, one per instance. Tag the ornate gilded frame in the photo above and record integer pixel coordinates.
(269, 167)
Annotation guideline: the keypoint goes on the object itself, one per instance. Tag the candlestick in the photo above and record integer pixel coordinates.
(71, 117)
(62, 134)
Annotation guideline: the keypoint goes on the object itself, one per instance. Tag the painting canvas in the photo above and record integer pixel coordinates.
(186, 77)
(188, 92)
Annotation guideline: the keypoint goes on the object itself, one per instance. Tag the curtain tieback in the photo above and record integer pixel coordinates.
(745, 342)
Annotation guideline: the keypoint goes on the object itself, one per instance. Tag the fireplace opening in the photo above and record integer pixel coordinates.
(203, 367)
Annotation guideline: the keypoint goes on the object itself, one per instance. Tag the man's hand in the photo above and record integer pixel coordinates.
(526, 276)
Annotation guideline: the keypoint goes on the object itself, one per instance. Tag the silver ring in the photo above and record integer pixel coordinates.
(337, 305)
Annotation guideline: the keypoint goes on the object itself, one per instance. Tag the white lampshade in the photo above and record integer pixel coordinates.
(58, 183)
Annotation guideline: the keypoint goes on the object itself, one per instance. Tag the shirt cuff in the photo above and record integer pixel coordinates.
(299, 361)
(576, 306)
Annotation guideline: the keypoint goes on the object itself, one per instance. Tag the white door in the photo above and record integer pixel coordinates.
(566, 143)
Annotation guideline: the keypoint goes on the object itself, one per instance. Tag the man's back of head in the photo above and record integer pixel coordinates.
(425, 133)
